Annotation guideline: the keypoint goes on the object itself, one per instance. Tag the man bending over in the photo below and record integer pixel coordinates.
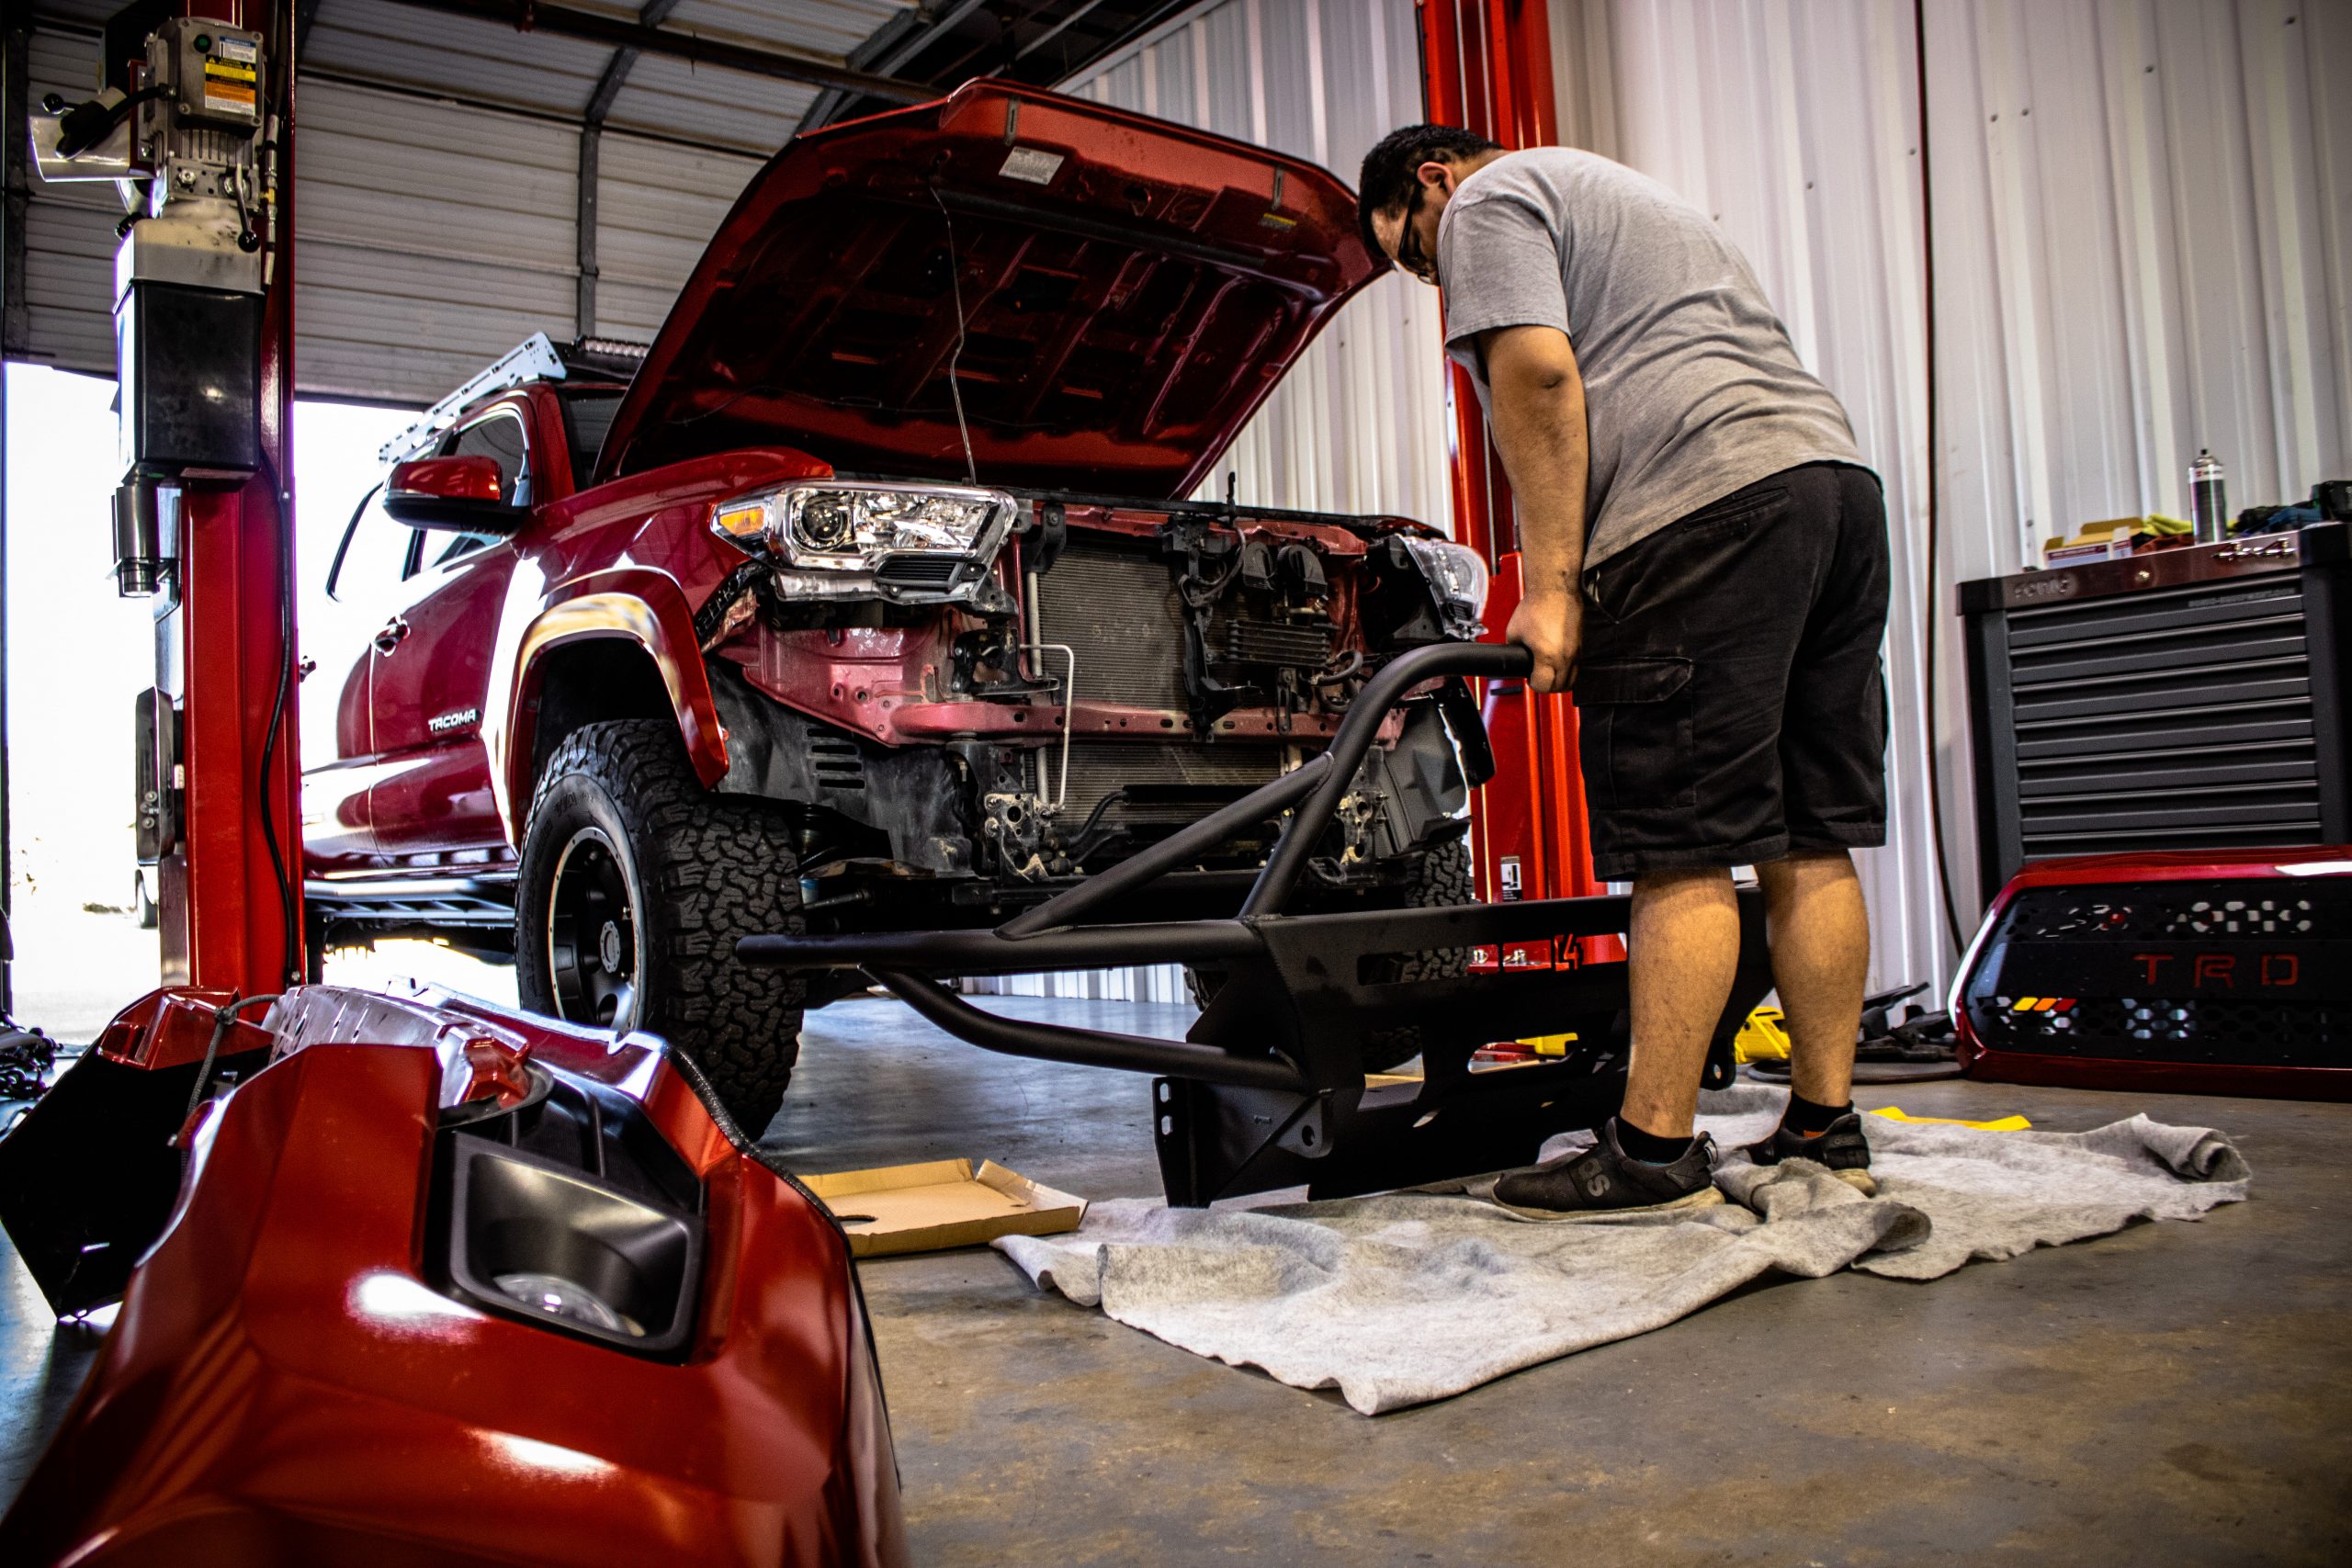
(1705, 564)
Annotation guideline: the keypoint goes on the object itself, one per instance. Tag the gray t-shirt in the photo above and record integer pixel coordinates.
(1691, 387)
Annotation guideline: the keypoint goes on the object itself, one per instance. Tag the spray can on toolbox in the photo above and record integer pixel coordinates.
(2208, 507)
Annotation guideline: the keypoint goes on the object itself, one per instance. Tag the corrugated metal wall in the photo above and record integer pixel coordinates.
(657, 206)
(1360, 425)
(2142, 209)
(434, 236)
(1794, 126)
(69, 228)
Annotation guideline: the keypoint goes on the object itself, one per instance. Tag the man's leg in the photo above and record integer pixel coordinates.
(1821, 951)
(1820, 937)
(1682, 952)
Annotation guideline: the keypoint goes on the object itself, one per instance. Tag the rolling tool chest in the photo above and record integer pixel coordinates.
(2183, 699)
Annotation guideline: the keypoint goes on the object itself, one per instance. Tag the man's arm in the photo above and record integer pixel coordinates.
(1536, 413)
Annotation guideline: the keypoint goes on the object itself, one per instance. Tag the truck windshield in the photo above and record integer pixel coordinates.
(590, 409)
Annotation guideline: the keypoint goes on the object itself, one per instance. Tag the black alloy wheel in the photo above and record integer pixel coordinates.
(633, 886)
(593, 956)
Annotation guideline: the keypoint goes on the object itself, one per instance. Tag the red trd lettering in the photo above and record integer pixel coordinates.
(2153, 960)
(2218, 967)
(2282, 969)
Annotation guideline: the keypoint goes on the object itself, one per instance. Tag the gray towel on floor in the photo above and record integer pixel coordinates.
(1412, 1296)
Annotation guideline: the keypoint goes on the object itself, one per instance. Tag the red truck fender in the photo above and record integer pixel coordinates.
(634, 604)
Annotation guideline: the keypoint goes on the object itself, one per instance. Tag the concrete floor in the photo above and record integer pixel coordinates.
(2176, 1394)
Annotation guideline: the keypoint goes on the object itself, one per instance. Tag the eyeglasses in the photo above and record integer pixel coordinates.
(1410, 254)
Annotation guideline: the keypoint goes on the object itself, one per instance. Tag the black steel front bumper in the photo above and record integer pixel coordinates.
(1269, 1089)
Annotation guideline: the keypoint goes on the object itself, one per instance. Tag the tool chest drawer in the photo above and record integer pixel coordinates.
(2187, 699)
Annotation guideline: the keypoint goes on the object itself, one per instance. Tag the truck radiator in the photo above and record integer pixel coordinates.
(1116, 608)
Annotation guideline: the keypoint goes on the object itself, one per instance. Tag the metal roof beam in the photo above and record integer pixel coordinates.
(616, 69)
(563, 21)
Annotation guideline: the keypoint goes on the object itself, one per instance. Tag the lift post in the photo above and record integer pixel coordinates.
(193, 125)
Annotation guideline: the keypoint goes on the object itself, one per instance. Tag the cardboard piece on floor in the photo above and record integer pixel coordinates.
(941, 1203)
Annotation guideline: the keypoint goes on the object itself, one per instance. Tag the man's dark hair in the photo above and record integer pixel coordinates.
(1385, 183)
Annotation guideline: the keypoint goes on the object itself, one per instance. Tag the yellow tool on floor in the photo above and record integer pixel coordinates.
(1761, 1038)
(2010, 1123)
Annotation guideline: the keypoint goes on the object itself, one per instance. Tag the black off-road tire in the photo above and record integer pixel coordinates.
(1444, 879)
(704, 870)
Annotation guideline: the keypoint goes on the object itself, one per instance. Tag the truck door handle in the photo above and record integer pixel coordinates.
(390, 638)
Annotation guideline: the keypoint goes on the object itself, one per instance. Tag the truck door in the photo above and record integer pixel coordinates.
(364, 581)
(431, 807)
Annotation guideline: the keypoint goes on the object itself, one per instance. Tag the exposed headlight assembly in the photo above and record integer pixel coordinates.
(1457, 580)
(856, 539)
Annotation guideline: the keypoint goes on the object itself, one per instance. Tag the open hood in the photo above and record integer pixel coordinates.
(1130, 292)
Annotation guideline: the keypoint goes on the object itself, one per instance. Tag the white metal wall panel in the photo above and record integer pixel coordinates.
(68, 230)
(1360, 424)
(434, 236)
(2141, 215)
(1793, 125)
(657, 206)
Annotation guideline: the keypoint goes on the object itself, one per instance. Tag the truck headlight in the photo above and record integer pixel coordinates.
(1457, 580)
(853, 526)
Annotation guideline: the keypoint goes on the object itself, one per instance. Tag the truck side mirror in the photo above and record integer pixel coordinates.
(461, 493)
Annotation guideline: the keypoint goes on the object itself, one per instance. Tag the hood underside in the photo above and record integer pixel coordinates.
(1113, 297)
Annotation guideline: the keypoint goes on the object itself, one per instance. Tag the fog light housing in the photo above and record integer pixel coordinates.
(533, 1239)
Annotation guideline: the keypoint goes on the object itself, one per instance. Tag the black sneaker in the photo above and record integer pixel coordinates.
(1604, 1180)
(1840, 1146)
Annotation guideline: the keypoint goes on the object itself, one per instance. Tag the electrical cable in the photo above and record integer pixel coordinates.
(1935, 508)
(288, 903)
(955, 385)
(221, 1017)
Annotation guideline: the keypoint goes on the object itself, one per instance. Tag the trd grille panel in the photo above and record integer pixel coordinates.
(2180, 911)
(2220, 1031)
(2226, 972)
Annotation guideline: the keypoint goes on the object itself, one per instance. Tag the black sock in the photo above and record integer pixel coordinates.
(1806, 1119)
(1647, 1147)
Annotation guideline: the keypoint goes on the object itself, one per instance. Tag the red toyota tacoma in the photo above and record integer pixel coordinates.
(864, 597)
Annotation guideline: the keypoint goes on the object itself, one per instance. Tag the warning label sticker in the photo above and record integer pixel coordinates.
(1032, 163)
(228, 86)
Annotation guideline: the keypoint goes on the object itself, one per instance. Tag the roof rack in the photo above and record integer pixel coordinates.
(533, 359)
(536, 358)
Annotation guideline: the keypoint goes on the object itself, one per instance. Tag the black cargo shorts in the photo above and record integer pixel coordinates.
(1730, 704)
